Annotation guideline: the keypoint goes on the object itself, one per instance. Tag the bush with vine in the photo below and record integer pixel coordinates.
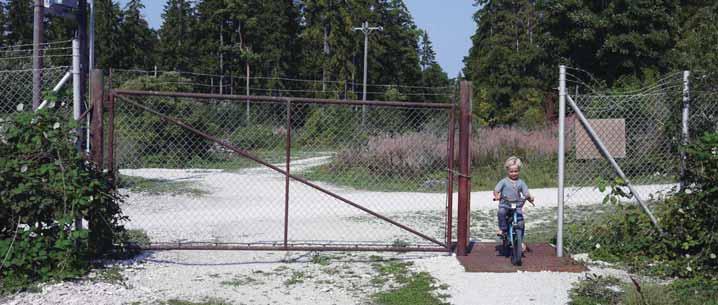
(689, 218)
(45, 186)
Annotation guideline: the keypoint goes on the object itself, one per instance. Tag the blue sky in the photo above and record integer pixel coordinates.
(449, 23)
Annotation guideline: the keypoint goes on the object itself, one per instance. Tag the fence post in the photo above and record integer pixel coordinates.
(96, 124)
(450, 178)
(464, 208)
(561, 156)
(684, 123)
(286, 181)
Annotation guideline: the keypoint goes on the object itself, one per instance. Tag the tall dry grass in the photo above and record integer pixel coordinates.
(493, 145)
(417, 153)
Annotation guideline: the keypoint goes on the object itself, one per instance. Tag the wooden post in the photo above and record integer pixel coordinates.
(464, 208)
(96, 123)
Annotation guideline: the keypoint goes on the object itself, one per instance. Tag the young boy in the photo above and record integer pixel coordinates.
(511, 188)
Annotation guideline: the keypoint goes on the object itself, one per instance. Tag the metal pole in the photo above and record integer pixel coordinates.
(606, 154)
(76, 92)
(247, 92)
(366, 51)
(561, 156)
(286, 182)
(684, 123)
(37, 56)
(462, 234)
(450, 180)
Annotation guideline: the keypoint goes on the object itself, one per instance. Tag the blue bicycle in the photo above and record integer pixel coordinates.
(512, 240)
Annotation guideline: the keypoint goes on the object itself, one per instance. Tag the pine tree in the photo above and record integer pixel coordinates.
(504, 63)
(19, 21)
(139, 40)
(395, 54)
(426, 51)
(177, 48)
(110, 50)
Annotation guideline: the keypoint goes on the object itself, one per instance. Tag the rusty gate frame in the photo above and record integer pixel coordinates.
(106, 103)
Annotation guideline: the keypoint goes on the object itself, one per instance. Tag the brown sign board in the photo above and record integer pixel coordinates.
(612, 133)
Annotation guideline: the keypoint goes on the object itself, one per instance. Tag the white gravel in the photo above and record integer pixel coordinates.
(262, 278)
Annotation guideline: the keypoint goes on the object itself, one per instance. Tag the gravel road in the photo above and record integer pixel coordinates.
(248, 206)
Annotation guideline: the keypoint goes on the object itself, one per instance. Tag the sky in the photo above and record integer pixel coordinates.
(449, 23)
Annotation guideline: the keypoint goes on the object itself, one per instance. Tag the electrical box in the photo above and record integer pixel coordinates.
(61, 8)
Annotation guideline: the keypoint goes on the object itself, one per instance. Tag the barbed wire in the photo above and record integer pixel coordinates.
(233, 77)
(31, 45)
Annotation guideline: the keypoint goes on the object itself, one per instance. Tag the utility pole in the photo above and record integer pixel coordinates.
(366, 29)
(221, 56)
(37, 56)
(91, 31)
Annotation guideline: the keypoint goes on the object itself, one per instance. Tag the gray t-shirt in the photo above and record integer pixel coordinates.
(511, 190)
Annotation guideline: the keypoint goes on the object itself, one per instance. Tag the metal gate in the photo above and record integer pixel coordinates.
(211, 171)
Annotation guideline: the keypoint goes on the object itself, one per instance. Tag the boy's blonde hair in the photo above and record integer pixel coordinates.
(511, 161)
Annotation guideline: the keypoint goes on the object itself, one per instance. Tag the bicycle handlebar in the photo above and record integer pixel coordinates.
(523, 200)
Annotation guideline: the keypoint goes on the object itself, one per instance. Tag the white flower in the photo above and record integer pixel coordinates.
(713, 256)
(20, 107)
(23, 168)
(598, 246)
(51, 105)
(689, 268)
(56, 125)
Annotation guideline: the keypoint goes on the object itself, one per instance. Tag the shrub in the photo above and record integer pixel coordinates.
(689, 218)
(45, 184)
(330, 126)
(145, 136)
(259, 137)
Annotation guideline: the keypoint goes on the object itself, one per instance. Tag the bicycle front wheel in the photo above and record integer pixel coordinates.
(517, 249)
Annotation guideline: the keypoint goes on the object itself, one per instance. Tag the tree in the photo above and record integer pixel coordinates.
(177, 48)
(19, 21)
(426, 51)
(138, 39)
(433, 77)
(110, 49)
(504, 63)
(696, 49)
(3, 21)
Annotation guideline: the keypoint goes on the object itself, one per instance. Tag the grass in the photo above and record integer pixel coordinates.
(414, 288)
(111, 275)
(208, 301)
(538, 173)
(483, 178)
(230, 162)
(297, 277)
(363, 179)
(240, 281)
(595, 289)
(160, 186)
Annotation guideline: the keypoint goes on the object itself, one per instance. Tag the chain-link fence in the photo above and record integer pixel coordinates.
(378, 180)
(16, 74)
(642, 130)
